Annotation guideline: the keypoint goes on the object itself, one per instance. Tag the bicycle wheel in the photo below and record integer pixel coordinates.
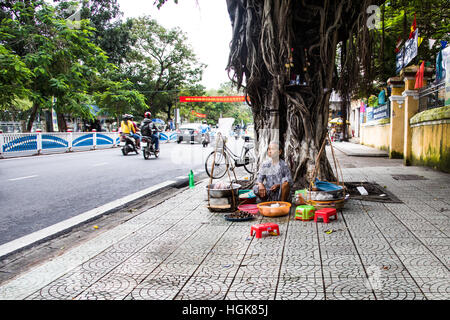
(250, 165)
(220, 164)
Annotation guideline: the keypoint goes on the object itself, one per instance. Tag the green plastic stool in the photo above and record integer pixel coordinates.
(304, 212)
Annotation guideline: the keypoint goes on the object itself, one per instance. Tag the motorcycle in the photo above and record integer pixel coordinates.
(129, 146)
(149, 149)
(205, 139)
(237, 133)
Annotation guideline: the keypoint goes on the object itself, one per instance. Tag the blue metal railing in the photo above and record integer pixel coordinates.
(14, 144)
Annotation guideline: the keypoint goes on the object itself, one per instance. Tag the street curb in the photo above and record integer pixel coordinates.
(65, 226)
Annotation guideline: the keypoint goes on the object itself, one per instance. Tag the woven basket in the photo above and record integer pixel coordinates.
(336, 204)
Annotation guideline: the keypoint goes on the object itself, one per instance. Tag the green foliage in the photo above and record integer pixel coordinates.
(160, 63)
(14, 78)
(432, 20)
(62, 61)
(200, 107)
(396, 18)
(110, 33)
(122, 66)
(373, 101)
(119, 97)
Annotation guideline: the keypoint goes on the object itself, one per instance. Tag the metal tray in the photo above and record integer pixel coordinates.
(223, 193)
(227, 217)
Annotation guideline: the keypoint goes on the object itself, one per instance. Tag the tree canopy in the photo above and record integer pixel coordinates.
(160, 63)
(52, 63)
(396, 18)
(63, 62)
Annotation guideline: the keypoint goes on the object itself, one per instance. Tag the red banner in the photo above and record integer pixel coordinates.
(213, 99)
(198, 115)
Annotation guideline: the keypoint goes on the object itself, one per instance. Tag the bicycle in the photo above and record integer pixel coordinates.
(221, 161)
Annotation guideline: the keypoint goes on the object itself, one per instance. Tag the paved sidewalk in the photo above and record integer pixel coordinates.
(359, 150)
(179, 250)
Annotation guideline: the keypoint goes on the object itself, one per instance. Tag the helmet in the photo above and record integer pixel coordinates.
(147, 115)
(130, 116)
(126, 116)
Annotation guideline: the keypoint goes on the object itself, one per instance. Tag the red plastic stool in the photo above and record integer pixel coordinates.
(325, 214)
(259, 228)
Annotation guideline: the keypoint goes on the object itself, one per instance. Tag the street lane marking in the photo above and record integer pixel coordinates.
(100, 164)
(22, 178)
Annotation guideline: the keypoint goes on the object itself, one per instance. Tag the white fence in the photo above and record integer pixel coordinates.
(16, 144)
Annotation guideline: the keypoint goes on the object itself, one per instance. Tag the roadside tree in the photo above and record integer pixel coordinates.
(63, 61)
(160, 64)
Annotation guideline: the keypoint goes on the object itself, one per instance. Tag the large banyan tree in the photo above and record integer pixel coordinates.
(283, 55)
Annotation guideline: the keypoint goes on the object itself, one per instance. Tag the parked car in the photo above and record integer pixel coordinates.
(249, 132)
(189, 132)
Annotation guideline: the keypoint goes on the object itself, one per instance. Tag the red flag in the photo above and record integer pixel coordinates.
(399, 43)
(419, 76)
(198, 115)
(413, 27)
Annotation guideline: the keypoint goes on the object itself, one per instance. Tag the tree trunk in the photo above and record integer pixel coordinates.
(34, 110)
(62, 124)
(405, 27)
(277, 42)
(265, 35)
(169, 110)
(344, 94)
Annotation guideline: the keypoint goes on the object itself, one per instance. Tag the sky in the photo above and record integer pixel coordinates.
(206, 24)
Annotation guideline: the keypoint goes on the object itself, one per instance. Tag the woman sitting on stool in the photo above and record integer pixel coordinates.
(274, 180)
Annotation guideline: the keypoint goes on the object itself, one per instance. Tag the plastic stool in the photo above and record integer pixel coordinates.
(259, 228)
(325, 214)
(304, 212)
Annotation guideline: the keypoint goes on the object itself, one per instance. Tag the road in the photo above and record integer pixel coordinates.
(39, 191)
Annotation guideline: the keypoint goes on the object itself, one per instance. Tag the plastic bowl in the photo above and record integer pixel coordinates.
(267, 211)
(251, 208)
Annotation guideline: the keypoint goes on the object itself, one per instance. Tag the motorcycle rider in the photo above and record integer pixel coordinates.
(205, 129)
(126, 126)
(135, 135)
(149, 129)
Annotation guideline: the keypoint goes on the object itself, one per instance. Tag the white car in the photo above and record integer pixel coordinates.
(189, 132)
(250, 132)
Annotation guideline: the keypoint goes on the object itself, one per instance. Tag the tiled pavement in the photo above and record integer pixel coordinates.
(354, 149)
(180, 250)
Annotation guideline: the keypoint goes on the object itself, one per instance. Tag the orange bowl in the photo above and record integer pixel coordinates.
(266, 210)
